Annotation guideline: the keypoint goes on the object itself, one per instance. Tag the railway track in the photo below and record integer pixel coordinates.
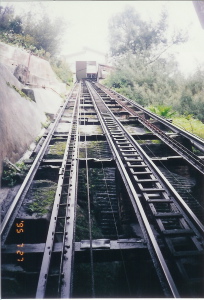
(197, 141)
(190, 157)
(112, 213)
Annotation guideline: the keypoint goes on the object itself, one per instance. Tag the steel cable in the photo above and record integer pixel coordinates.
(89, 217)
(171, 172)
(115, 223)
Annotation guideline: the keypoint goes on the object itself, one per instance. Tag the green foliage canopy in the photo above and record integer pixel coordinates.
(142, 71)
(36, 32)
(31, 31)
(62, 69)
(130, 34)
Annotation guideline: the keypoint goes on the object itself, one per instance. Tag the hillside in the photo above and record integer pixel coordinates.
(21, 118)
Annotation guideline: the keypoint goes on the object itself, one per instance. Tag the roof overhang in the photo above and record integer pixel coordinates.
(199, 7)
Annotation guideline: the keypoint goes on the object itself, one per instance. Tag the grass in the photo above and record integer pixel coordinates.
(57, 149)
(42, 195)
(190, 124)
(12, 174)
(22, 94)
(95, 149)
(46, 124)
(186, 122)
(38, 138)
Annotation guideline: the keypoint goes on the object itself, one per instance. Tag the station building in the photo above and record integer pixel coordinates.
(88, 63)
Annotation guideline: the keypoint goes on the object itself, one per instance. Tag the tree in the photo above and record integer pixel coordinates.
(130, 34)
(62, 69)
(34, 25)
(16, 25)
(46, 32)
(144, 74)
(6, 17)
(148, 84)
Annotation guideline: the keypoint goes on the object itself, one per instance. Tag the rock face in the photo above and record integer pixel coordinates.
(29, 93)
(20, 119)
(21, 72)
(39, 70)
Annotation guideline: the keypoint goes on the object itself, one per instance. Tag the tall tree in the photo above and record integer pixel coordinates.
(6, 16)
(46, 32)
(130, 34)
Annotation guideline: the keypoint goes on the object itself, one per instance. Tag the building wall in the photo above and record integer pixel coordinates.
(80, 70)
(86, 55)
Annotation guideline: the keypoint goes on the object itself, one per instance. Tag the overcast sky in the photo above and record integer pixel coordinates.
(88, 24)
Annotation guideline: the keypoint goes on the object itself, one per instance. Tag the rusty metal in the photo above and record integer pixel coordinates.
(156, 192)
(64, 285)
(197, 141)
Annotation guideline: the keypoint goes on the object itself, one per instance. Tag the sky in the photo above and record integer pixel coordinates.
(87, 24)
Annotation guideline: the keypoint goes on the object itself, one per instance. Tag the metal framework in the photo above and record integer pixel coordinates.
(67, 187)
(172, 233)
(159, 195)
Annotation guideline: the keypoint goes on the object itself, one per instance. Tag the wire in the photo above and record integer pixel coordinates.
(89, 219)
(170, 172)
(115, 223)
(116, 228)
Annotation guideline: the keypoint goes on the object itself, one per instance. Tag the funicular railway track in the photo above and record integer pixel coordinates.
(175, 145)
(148, 114)
(169, 241)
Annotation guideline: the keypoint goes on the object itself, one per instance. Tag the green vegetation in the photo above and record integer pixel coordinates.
(13, 173)
(146, 73)
(38, 138)
(45, 124)
(22, 94)
(37, 33)
(57, 149)
(185, 121)
(163, 111)
(82, 226)
(42, 195)
(62, 69)
(189, 123)
(34, 30)
(130, 34)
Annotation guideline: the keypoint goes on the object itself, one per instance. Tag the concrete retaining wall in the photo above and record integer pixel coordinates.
(20, 118)
(40, 71)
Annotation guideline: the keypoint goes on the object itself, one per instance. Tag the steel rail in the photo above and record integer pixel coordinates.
(66, 268)
(188, 155)
(136, 201)
(90, 221)
(199, 142)
(113, 214)
(196, 232)
(44, 271)
(161, 176)
(31, 173)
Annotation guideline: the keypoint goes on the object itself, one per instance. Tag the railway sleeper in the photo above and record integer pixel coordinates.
(162, 209)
